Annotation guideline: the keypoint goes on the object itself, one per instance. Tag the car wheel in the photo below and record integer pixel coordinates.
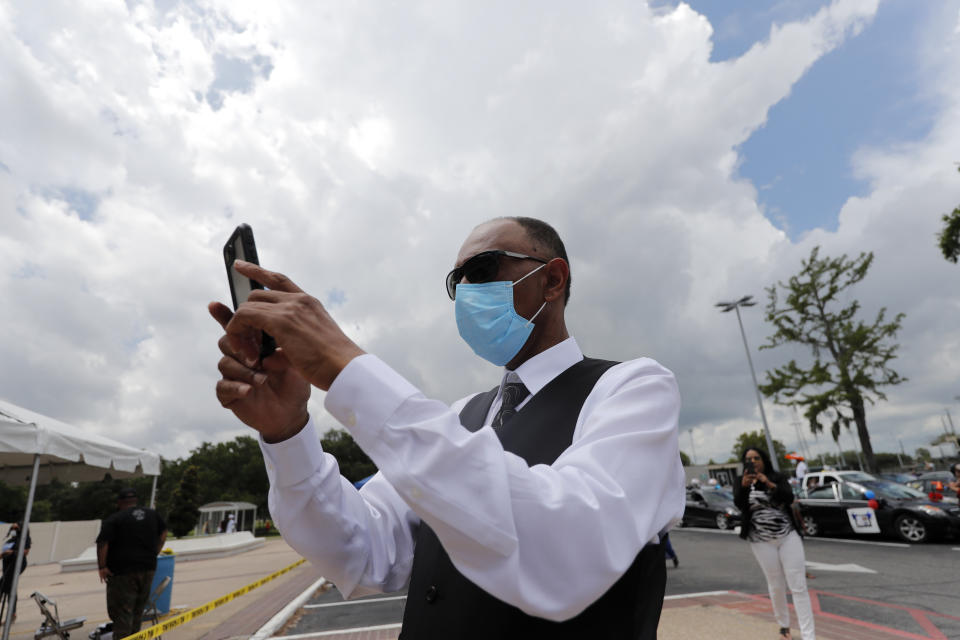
(810, 526)
(722, 522)
(911, 529)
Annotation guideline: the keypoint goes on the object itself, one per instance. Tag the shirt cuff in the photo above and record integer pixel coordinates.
(295, 459)
(367, 392)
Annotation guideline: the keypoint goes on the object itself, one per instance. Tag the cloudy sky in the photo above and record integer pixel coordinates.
(687, 152)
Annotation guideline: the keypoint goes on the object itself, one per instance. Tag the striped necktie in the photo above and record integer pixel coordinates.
(513, 394)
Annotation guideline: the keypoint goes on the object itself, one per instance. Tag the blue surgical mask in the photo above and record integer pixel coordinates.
(488, 322)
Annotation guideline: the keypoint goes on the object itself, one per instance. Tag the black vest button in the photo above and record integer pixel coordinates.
(431, 594)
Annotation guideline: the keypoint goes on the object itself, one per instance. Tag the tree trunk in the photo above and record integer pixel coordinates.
(860, 417)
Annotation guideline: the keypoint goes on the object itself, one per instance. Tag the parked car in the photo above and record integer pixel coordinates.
(927, 483)
(712, 508)
(843, 507)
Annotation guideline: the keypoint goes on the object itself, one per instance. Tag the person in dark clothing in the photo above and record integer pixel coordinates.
(127, 550)
(669, 551)
(764, 498)
(9, 553)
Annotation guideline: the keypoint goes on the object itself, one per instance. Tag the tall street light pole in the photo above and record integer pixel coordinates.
(747, 301)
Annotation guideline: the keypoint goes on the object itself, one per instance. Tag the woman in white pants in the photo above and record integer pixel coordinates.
(764, 498)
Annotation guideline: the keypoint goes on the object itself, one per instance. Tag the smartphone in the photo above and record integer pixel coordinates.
(241, 246)
(748, 468)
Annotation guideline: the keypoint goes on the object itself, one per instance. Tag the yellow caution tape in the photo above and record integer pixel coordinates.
(172, 623)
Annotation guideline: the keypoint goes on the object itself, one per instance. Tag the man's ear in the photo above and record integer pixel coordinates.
(558, 272)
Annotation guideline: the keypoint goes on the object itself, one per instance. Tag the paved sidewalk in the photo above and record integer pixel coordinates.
(724, 615)
(195, 583)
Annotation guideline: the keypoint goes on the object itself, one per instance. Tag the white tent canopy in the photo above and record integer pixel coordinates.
(66, 452)
(35, 448)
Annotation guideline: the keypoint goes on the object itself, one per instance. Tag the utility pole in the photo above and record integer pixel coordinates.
(693, 446)
(857, 452)
(747, 301)
(803, 442)
(951, 433)
(843, 461)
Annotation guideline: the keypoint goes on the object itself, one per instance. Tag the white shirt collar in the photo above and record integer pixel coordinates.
(539, 370)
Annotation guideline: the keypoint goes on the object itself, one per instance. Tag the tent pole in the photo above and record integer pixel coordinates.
(24, 532)
(153, 493)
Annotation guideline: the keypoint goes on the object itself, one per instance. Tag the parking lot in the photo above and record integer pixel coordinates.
(905, 590)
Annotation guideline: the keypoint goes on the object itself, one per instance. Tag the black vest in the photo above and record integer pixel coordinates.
(443, 604)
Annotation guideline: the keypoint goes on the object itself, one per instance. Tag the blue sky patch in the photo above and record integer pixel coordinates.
(235, 74)
(336, 297)
(84, 203)
(865, 93)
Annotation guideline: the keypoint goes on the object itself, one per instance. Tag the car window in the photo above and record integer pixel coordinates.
(823, 492)
(851, 492)
(893, 490)
(828, 479)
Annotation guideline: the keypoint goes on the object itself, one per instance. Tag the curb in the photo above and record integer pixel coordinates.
(282, 616)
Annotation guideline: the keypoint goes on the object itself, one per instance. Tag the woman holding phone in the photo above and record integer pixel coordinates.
(764, 498)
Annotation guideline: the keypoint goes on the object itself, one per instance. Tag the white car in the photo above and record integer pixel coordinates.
(817, 478)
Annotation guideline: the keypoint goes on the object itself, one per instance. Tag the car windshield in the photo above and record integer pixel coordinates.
(856, 476)
(891, 490)
(902, 478)
(717, 498)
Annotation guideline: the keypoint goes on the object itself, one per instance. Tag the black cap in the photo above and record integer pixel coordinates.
(126, 492)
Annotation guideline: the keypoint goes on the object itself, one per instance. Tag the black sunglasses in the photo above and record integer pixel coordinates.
(482, 267)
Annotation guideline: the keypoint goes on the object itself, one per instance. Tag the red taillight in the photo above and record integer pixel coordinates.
(873, 504)
(934, 496)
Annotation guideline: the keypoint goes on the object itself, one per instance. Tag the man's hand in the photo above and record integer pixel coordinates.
(272, 399)
(311, 341)
(105, 573)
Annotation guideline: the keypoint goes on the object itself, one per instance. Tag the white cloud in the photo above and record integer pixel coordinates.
(366, 142)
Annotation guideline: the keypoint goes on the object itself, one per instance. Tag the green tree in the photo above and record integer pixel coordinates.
(756, 440)
(891, 460)
(185, 512)
(684, 459)
(923, 454)
(946, 438)
(949, 237)
(13, 500)
(92, 500)
(354, 463)
(231, 470)
(850, 357)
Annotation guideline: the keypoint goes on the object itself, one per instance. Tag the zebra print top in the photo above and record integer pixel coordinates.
(769, 521)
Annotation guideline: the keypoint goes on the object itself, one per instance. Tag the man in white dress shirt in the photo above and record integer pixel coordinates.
(532, 510)
(801, 469)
